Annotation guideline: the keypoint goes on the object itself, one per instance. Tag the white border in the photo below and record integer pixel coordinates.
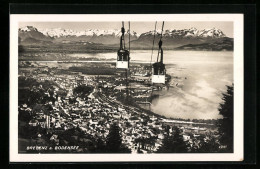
(238, 154)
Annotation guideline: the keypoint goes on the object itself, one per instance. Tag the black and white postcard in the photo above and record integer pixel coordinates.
(99, 88)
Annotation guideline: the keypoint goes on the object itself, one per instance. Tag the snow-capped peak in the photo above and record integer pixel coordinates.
(211, 33)
(59, 32)
(192, 28)
(192, 32)
(28, 28)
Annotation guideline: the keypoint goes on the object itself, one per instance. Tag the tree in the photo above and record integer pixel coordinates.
(82, 91)
(209, 146)
(114, 141)
(203, 145)
(24, 116)
(173, 143)
(99, 146)
(167, 129)
(225, 125)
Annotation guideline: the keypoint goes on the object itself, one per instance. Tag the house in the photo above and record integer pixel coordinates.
(186, 137)
(33, 122)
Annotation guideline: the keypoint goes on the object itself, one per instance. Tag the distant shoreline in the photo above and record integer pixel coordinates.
(81, 61)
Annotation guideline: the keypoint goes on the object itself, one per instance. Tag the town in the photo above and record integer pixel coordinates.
(69, 104)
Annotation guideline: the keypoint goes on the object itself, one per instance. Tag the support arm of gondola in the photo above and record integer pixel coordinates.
(122, 39)
(129, 41)
(161, 56)
(160, 51)
(121, 45)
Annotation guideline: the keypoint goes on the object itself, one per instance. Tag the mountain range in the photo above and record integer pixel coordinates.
(172, 38)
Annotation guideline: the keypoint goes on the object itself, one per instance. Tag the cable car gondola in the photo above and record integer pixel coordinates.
(158, 68)
(123, 54)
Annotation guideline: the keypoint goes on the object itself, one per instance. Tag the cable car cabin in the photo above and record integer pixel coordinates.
(122, 59)
(158, 73)
(159, 70)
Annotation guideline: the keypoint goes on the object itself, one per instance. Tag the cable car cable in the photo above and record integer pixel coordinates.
(160, 42)
(129, 45)
(162, 29)
(123, 32)
(129, 54)
(153, 44)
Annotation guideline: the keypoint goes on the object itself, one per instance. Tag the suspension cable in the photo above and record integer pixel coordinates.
(160, 40)
(129, 37)
(123, 32)
(153, 44)
(162, 30)
(128, 64)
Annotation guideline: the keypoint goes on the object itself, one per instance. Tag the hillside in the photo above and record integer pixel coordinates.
(223, 44)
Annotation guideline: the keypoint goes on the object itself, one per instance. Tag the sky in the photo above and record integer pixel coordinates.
(139, 27)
